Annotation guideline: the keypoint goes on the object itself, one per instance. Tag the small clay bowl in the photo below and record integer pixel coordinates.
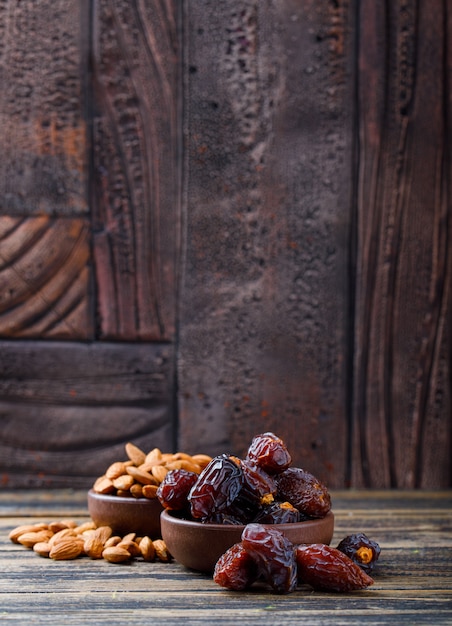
(198, 546)
(126, 515)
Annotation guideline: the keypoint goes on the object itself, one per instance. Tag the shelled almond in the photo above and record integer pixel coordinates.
(141, 473)
(66, 540)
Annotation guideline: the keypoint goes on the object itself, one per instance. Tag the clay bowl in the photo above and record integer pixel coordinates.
(126, 515)
(198, 546)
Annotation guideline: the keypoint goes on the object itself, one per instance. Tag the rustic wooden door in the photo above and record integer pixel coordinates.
(90, 235)
(219, 218)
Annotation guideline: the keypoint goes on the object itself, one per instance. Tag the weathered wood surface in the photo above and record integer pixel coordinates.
(67, 414)
(263, 187)
(413, 579)
(137, 168)
(317, 292)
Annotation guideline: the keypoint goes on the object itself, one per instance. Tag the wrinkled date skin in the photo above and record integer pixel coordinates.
(278, 513)
(274, 555)
(328, 569)
(235, 569)
(269, 452)
(304, 492)
(217, 487)
(174, 489)
(362, 550)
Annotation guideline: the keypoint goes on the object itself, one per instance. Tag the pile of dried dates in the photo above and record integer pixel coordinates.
(260, 490)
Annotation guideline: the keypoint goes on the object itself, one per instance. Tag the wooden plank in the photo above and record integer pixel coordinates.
(43, 143)
(264, 317)
(66, 414)
(413, 579)
(402, 400)
(45, 288)
(137, 168)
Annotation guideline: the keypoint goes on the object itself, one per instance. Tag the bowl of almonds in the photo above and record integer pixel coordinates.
(125, 496)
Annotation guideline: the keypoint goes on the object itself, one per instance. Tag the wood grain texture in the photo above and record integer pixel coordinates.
(45, 278)
(264, 316)
(66, 414)
(402, 370)
(43, 143)
(137, 168)
(413, 578)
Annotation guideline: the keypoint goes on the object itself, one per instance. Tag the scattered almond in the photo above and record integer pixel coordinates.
(147, 549)
(29, 539)
(161, 551)
(66, 549)
(25, 528)
(115, 554)
(42, 548)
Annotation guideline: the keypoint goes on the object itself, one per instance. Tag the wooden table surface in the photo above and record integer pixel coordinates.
(413, 580)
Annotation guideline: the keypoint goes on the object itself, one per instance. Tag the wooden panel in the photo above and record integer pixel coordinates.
(402, 327)
(45, 278)
(136, 167)
(263, 332)
(43, 143)
(66, 413)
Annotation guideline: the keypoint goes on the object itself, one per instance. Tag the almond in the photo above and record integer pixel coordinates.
(113, 541)
(114, 554)
(184, 464)
(131, 546)
(61, 525)
(62, 535)
(136, 490)
(135, 454)
(201, 459)
(149, 491)
(42, 548)
(147, 549)
(29, 539)
(115, 470)
(161, 551)
(103, 485)
(123, 482)
(25, 528)
(159, 472)
(153, 457)
(141, 476)
(66, 549)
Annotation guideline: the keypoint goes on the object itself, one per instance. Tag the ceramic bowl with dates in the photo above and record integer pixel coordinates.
(204, 515)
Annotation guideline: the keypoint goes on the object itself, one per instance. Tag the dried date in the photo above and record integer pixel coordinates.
(235, 569)
(328, 569)
(362, 550)
(304, 491)
(217, 487)
(274, 555)
(278, 513)
(269, 452)
(174, 489)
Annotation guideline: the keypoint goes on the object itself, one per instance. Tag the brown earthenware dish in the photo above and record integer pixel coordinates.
(198, 546)
(126, 515)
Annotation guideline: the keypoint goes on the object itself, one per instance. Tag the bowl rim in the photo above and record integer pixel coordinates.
(168, 514)
(109, 497)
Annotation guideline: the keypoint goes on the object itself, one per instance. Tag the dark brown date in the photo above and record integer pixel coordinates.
(269, 452)
(327, 569)
(274, 555)
(235, 569)
(174, 489)
(217, 487)
(304, 491)
(362, 550)
(278, 513)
